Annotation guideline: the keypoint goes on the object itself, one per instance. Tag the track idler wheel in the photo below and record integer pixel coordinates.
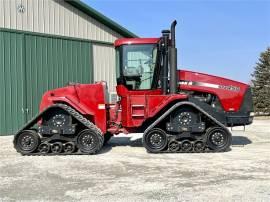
(199, 146)
(173, 146)
(186, 146)
(57, 147)
(90, 142)
(44, 148)
(218, 139)
(27, 141)
(155, 140)
(69, 147)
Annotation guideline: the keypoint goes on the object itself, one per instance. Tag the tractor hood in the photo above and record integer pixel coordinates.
(230, 93)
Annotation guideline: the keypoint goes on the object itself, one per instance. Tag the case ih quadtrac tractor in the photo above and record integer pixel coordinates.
(176, 110)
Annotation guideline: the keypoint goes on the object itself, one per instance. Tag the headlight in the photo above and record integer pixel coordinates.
(251, 114)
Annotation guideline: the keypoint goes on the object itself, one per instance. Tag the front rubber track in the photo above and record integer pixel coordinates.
(77, 116)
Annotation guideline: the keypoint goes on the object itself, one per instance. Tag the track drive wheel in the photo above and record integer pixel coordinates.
(155, 140)
(27, 141)
(218, 139)
(57, 118)
(89, 141)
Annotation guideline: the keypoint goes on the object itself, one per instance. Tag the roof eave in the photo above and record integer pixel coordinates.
(101, 18)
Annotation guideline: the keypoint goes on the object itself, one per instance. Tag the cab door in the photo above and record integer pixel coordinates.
(137, 81)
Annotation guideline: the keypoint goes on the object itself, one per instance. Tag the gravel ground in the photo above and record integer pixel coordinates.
(125, 172)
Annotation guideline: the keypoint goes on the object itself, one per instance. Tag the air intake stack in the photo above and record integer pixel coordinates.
(173, 61)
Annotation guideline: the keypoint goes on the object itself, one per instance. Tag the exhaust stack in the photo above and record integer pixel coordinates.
(173, 61)
(165, 59)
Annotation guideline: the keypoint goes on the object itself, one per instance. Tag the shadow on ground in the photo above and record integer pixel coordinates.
(240, 140)
(121, 141)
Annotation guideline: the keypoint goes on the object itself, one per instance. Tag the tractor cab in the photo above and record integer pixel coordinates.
(145, 64)
(137, 63)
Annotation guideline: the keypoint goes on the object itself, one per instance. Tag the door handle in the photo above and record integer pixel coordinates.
(25, 110)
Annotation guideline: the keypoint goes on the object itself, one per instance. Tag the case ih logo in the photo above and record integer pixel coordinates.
(209, 85)
(232, 88)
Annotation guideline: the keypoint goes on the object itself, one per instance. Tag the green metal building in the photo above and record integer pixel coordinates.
(44, 44)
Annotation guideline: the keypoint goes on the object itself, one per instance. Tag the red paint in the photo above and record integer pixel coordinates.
(138, 106)
(230, 100)
(128, 41)
(85, 98)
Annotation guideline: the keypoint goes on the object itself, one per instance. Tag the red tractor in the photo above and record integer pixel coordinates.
(176, 110)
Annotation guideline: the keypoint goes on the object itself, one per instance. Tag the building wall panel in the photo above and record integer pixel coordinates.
(104, 65)
(32, 64)
(52, 63)
(53, 17)
(11, 86)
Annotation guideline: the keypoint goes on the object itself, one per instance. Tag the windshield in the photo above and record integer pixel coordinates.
(138, 65)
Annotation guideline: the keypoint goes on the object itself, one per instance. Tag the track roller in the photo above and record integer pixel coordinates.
(57, 147)
(173, 146)
(199, 146)
(155, 140)
(27, 141)
(44, 148)
(186, 146)
(69, 147)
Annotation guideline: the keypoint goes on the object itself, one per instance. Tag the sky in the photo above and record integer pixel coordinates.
(222, 37)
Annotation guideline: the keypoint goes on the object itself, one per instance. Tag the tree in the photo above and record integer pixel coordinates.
(261, 83)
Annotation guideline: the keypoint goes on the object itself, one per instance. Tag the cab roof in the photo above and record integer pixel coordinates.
(129, 41)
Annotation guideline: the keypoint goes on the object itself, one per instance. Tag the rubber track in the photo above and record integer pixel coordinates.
(206, 150)
(75, 114)
(208, 116)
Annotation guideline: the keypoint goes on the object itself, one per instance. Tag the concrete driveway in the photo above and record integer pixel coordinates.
(124, 171)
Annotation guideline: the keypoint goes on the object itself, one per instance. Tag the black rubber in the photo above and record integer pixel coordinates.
(174, 146)
(57, 138)
(57, 147)
(155, 140)
(27, 141)
(186, 146)
(107, 138)
(199, 146)
(218, 139)
(186, 142)
(89, 141)
(44, 148)
(69, 147)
